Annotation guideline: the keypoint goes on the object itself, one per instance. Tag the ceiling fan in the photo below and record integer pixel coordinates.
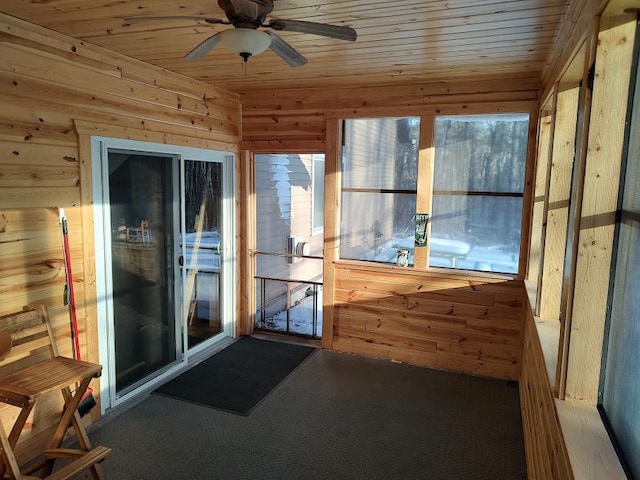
(247, 17)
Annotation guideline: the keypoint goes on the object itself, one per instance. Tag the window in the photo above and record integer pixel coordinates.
(619, 394)
(317, 210)
(476, 195)
(379, 178)
(477, 191)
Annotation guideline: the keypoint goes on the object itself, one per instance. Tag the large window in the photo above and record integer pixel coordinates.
(620, 389)
(379, 178)
(476, 194)
(477, 191)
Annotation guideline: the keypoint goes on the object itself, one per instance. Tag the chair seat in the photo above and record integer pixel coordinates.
(22, 388)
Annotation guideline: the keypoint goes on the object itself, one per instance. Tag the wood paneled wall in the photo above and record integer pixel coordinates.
(597, 222)
(464, 323)
(293, 118)
(547, 457)
(573, 30)
(48, 84)
(469, 324)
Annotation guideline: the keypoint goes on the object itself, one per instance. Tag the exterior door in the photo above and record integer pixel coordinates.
(289, 195)
(164, 276)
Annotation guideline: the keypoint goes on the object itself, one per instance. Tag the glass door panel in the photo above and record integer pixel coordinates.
(202, 250)
(142, 197)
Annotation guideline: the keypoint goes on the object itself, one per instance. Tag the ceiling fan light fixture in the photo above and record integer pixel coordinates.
(245, 41)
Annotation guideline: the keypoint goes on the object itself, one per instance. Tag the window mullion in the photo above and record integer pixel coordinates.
(424, 198)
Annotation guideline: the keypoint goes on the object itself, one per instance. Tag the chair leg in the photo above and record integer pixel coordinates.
(96, 472)
(70, 416)
(12, 439)
(8, 457)
(19, 424)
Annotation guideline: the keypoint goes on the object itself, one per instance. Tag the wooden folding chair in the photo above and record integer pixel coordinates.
(31, 368)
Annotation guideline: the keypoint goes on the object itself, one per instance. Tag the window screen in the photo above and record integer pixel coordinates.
(620, 388)
(478, 190)
(379, 177)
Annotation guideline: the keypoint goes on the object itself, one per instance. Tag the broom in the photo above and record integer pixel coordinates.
(88, 401)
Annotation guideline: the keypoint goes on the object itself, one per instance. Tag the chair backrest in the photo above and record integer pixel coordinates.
(32, 339)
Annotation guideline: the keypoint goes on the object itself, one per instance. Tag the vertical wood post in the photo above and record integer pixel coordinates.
(558, 200)
(600, 202)
(573, 221)
(528, 197)
(246, 238)
(424, 199)
(332, 188)
(536, 181)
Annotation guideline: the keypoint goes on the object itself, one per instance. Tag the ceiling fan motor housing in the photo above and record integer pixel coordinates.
(246, 13)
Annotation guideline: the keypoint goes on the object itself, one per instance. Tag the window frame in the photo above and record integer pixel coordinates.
(315, 159)
(384, 192)
(426, 161)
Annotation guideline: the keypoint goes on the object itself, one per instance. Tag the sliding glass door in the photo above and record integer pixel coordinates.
(164, 223)
(143, 275)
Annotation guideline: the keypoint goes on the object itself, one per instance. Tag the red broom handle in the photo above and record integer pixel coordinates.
(72, 297)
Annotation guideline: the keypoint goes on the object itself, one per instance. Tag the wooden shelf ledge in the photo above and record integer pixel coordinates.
(590, 450)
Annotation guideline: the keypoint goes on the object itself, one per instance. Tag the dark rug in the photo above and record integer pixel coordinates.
(237, 378)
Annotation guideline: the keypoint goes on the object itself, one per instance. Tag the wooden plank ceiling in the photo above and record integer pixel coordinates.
(399, 41)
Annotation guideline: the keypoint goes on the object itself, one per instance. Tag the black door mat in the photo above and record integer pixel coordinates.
(237, 378)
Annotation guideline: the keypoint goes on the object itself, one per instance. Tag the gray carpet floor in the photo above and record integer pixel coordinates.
(335, 417)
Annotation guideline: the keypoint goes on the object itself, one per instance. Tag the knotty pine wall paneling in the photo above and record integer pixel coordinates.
(614, 57)
(547, 457)
(475, 327)
(295, 118)
(50, 84)
(454, 321)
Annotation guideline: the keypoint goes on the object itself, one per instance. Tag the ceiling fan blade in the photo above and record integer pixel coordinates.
(332, 31)
(177, 17)
(286, 51)
(204, 48)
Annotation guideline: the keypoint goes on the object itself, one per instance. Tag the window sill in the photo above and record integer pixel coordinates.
(590, 450)
(434, 271)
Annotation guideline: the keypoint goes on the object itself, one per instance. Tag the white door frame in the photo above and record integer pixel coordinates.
(102, 231)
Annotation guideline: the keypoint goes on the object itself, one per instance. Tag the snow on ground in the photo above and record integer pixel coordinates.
(450, 253)
(300, 317)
